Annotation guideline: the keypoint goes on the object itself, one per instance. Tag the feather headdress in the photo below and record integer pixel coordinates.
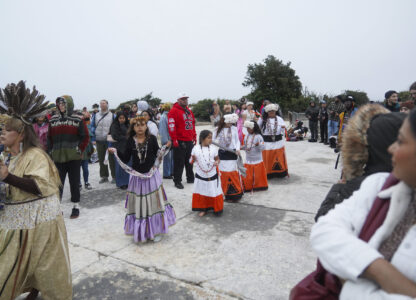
(19, 102)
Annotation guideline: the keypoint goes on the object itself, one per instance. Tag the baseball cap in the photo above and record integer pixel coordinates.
(182, 95)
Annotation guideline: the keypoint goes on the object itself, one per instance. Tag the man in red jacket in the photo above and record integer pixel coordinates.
(183, 135)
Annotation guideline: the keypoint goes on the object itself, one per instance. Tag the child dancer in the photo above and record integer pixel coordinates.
(226, 135)
(207, 188)
(256, 176)
(149, 214)
(272, 127)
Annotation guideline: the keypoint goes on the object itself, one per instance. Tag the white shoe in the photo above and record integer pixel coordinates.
(158, 238)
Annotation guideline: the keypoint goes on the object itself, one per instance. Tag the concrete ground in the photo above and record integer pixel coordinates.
(258, 248)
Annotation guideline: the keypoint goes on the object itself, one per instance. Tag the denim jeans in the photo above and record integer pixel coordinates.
(85, 172)
(168, 164)
(332, 128)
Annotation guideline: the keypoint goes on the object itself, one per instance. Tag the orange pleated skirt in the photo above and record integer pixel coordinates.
(206, 203)
(275, 162)
(231, 185)
(256, 177)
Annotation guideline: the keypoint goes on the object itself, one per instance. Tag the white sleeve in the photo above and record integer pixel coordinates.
(153, 128)
(364, 289)
(215, 152)
(334, 237)
(260, 141)
(236, 140)
(260, 122)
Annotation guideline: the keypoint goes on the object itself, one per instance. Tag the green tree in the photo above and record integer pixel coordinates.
(152, 101)
(202, 108)
(361, 97)
(404, 96)
(273, 80)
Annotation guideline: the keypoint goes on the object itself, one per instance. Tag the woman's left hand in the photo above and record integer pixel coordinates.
(4, 171)
(168, 144)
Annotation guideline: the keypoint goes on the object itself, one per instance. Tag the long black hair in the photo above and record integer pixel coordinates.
(221, 125)
(256, 128)
(121, 113)
(203, 135)
(151, 115)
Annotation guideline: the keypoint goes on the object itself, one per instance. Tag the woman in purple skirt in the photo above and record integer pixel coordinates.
(149, 214)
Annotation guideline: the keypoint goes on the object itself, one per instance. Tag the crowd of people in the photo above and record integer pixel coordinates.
(43, 147)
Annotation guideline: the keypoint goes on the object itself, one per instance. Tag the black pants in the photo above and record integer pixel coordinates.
(313, 126)
(323, 126)
(181, 156)
(72, 168)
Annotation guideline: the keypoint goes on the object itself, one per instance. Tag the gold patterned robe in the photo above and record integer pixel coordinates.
(33, 240)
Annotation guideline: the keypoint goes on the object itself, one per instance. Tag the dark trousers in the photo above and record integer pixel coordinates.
(85, 172)
(313, 126)
(181, 156)
(101, 150)
(323, 126)
(72, 169)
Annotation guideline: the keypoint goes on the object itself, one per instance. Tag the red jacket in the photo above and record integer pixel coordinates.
(181, 124)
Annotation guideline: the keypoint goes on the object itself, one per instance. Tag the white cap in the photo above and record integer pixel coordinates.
(142, 105)
(182, 95)
(249, 103)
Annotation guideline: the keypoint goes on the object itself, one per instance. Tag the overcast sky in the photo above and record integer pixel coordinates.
(120, 50)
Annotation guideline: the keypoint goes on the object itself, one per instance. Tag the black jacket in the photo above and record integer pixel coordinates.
(312, 113)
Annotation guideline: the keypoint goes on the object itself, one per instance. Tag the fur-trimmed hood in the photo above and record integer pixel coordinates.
(355, 145)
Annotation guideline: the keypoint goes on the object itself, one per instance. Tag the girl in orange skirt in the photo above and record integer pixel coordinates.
(256, 176)
(226, 135)
(207, 188)
(273, 128)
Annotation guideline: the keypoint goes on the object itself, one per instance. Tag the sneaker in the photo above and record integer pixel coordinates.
(167, 177)
(102, 180)
(157, 238)
(124, 187)
(88, 186)
(179, 185)
(113, 181)
(190, 181)
(75, 213)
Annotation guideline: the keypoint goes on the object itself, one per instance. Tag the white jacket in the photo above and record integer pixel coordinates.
(335, 239)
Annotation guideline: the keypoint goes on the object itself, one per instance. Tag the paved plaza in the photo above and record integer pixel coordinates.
(258, 248)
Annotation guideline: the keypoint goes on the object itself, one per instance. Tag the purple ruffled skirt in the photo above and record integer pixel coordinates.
(148, 211)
